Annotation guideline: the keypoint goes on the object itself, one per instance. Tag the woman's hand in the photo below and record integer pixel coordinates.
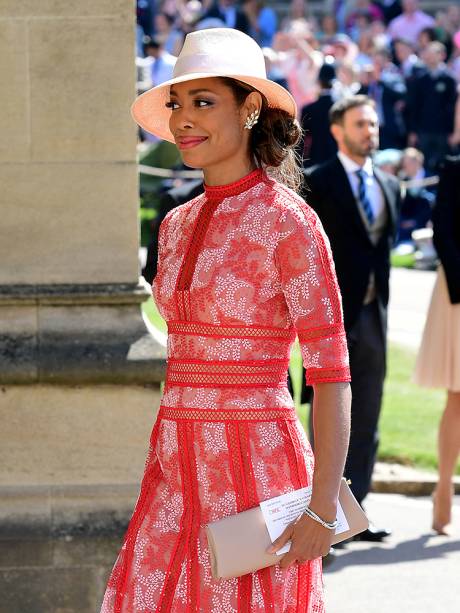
(309, 540)
(331, 418)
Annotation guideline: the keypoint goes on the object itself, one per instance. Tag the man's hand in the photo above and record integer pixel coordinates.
(309, 540)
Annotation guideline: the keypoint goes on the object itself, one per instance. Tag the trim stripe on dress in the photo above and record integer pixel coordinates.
(264, 574)
(230, 415)
(300, 477)
(242, 503)
(150, 481)
(181, 547)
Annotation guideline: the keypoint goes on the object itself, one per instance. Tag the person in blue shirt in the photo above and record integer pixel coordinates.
(262, 20)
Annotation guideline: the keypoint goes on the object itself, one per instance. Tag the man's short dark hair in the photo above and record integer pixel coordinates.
(339, 108)
(153, 42)
(430, 32)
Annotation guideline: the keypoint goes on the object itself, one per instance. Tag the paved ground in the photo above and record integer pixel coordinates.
(415, 571)
(410, 293)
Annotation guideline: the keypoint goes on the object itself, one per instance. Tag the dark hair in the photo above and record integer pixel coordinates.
(152, 42)
(273, 138)
(430, 32)
(339, 108)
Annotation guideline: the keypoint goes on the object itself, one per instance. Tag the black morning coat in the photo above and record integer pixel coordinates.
(318, 144)
(446, 225)
(327, 190)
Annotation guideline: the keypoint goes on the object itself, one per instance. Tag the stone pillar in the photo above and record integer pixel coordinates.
(79, 371)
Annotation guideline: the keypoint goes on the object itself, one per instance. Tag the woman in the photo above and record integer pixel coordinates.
(242, 268)
(438, 361)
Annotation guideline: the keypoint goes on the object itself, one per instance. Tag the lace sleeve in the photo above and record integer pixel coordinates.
(312, 295)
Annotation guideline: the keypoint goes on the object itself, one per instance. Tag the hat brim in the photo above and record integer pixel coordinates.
(149, 110)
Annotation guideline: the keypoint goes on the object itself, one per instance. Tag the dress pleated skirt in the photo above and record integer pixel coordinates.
(438, 360)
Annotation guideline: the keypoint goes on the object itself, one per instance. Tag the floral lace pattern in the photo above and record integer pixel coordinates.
(242, 269)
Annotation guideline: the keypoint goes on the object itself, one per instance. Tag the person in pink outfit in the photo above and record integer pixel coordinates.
(243, 269)
(410, 23)
(438, 359)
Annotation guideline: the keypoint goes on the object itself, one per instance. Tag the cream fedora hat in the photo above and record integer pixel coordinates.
(219, 52)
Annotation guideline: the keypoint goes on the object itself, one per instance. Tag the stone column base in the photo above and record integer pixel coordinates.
(55, 435)
(72, 459)
(77, 334)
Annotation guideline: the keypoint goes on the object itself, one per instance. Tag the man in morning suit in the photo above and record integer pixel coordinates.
(358, 206)
(318, 143)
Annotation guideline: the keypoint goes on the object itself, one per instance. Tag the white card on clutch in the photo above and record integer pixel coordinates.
(279, 512)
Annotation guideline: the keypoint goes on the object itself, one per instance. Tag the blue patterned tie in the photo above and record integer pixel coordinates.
(364, 198)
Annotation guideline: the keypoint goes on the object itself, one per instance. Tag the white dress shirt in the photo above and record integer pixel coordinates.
(162, 68)
(373, 190)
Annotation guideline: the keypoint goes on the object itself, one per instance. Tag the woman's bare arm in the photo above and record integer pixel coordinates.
(331, 424)
(331, 421)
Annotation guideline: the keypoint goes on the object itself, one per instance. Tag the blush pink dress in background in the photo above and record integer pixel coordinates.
(243, 269)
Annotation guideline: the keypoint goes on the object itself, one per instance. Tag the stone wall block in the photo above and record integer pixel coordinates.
(24, 513)
(95, 550)
(14, 77)
(19, 343)
(69, 223)
(79, 510)
(49, 590)
(79, 435)
(94, 343)
(58, 8)
(17, 553)
(82, 83)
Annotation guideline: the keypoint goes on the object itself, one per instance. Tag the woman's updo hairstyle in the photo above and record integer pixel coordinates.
(273, 139)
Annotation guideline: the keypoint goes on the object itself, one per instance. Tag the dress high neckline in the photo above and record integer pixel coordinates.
(235, 188)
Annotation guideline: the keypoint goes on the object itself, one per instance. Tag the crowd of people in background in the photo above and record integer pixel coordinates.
(406, 60)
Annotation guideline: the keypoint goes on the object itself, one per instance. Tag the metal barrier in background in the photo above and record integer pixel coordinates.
(168, 173)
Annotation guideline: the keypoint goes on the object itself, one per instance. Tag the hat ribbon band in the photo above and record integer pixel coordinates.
(199, 63)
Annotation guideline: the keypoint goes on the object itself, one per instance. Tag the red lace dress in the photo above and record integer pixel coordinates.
(243, 268)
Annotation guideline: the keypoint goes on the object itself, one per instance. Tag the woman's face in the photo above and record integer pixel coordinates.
(208, 125)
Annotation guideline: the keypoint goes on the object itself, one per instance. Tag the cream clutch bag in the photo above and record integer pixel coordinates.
(238, 543)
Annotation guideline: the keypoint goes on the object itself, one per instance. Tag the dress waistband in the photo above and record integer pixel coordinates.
(178, 414)
(197, 328)
(206, 373)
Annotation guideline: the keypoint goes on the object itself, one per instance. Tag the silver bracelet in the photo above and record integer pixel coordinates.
(330, 525)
